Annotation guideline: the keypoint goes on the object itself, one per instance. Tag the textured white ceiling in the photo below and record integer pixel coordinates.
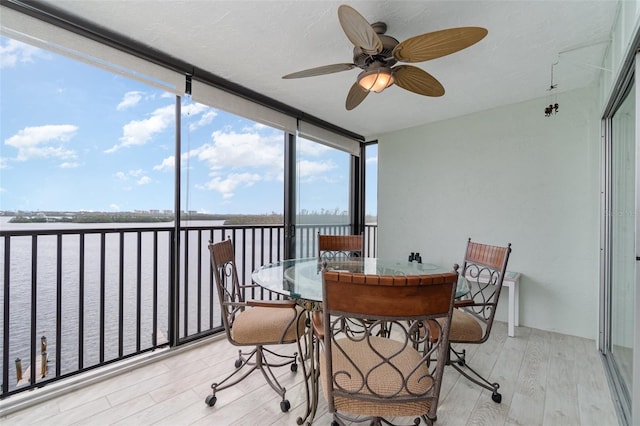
(255, 43)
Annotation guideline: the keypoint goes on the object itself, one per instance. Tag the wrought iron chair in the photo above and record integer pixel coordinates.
(483, 269)
(253, 323)
(366, 377)
(336, 247)
(339, 247)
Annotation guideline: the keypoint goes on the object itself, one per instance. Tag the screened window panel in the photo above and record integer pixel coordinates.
(50, 37)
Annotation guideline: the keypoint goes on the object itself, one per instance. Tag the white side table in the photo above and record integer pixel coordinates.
(512, 282)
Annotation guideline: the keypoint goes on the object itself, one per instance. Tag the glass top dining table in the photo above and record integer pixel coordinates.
(302, 278)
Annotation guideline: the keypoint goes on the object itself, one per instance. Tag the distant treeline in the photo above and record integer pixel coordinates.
(90, 218)
(305, 217)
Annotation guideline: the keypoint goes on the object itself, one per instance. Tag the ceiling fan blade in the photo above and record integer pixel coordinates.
(417, 80)
(438, 43)
(355, 96)
(325, 69)
(359, 30)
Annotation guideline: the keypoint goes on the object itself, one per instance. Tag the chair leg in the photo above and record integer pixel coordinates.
(380, 421)
(240, 362)
(260, 363)
(340, 418)
(289, 359)
(265, 367)
(428, 420)
(460, 364)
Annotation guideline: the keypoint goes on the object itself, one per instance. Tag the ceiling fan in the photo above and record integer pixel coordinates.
(376, 54)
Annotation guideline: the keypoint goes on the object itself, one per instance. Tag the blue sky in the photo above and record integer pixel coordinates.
(75, 137)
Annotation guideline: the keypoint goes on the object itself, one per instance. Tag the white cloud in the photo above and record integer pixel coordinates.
(308, 170)
(228, 185)
(144, 180)
(308, 148)
(194, 109)
(139, 132)
(168, 164)
(129, 100)
(137, 174)
(114, 207)
(372, 160)
(237, 150)
(43, 142)
(4, 163)
(15, 52)
(69, 165)
(205, 120)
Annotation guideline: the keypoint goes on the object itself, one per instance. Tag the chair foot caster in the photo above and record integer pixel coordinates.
(428, 420)
(294, 367)
(285, 405)
(496, 397)
(211, 400)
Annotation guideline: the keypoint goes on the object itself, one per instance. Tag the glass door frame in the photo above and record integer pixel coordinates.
(626, 404)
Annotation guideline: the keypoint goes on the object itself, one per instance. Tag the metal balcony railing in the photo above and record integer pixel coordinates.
(74, 300)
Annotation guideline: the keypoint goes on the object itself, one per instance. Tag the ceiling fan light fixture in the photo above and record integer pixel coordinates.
(376, 80)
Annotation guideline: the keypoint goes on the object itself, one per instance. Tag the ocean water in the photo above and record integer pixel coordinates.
(89, 297)
(79, 289)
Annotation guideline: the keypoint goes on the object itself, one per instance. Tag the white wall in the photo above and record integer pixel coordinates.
(504, 175)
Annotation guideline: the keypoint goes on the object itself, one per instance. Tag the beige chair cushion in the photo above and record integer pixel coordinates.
(464, 327)
(260, 325)
(383, 380)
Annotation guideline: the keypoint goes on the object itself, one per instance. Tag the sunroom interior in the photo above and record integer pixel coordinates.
(485, 161)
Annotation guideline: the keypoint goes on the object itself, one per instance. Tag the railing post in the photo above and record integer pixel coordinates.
(174, 281)
(6, 317)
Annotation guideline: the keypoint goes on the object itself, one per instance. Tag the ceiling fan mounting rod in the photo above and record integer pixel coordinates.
(372, 59)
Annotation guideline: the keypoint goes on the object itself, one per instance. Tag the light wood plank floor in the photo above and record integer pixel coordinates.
(545, 379)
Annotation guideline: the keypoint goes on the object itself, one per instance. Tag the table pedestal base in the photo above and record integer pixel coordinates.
(311, 371)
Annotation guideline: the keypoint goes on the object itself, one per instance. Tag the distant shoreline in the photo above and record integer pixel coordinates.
(158, 216)
(137, 217)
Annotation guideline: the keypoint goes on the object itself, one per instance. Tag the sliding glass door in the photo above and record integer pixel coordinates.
(620, 279)
(623, 240)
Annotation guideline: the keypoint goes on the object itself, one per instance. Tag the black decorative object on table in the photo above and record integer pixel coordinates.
(415, 257)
